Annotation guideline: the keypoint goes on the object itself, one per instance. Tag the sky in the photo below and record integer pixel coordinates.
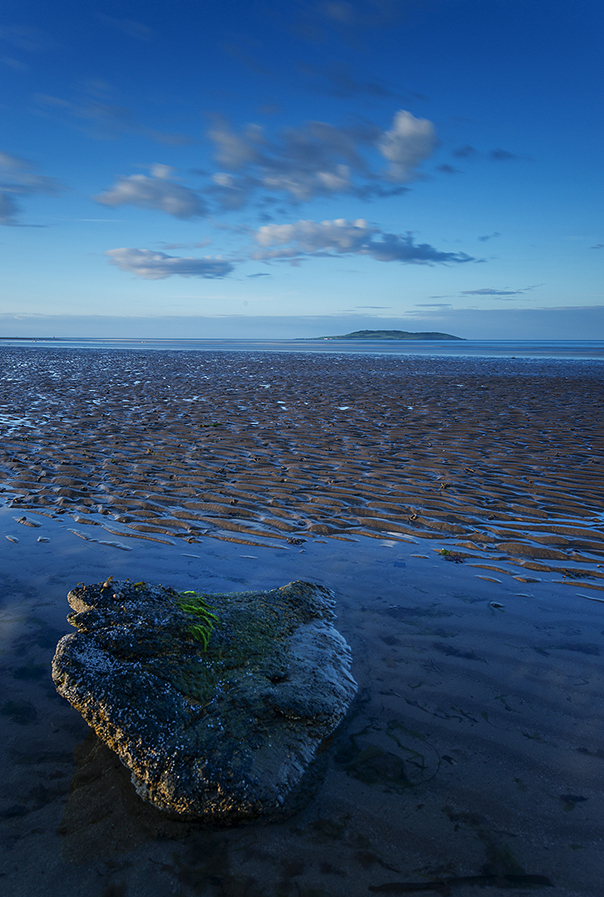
(305, 168)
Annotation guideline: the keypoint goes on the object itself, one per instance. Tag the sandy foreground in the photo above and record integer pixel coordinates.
(454, 505)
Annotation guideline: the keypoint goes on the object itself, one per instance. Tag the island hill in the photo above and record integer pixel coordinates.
(392, 334)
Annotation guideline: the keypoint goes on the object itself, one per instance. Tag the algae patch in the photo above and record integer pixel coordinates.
(195, 603)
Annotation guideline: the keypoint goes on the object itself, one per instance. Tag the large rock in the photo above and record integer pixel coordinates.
(218, 719)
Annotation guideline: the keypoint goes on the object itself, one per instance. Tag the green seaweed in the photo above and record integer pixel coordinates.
(454, 556)
(195, 604)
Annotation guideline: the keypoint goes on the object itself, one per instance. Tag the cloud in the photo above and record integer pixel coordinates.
(448, 169)
(316, 159)
(597, 246)
(402, 248)
(264, 274)
(341, 82)
(501, 155)
(155, 192)
(312, 236)
(342, 237)
(494, 155)
(486, 237)
(157, 265)
(504, 294)
(18, 179)
(464, 152)
(407, 144)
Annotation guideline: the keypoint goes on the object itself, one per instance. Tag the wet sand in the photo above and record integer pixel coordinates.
(474, 754)
(264, 448)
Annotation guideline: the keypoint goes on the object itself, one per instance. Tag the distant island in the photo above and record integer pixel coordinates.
(391, 334)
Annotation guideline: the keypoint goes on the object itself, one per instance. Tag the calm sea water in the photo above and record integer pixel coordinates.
(591, 349)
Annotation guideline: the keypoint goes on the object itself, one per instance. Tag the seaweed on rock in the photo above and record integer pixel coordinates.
(195, 603)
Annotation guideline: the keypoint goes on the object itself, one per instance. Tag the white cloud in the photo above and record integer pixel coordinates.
(162, 171)
(342, 237)
(234, 150)
(155, 192)
(313, 236)
(409, 141)
(158, 265)
(314, 160)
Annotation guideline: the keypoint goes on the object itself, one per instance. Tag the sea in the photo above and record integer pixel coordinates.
(570, 349)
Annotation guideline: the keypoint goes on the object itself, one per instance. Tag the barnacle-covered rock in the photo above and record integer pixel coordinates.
(217, 703)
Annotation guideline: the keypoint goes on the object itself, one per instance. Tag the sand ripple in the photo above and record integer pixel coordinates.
(500, 455)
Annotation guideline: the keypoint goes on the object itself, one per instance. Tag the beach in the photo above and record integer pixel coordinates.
(455, 507)
(266, 449)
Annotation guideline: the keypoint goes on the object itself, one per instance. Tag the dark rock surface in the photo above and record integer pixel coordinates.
(227, 732)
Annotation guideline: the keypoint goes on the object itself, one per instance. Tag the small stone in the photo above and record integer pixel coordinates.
(228, 732)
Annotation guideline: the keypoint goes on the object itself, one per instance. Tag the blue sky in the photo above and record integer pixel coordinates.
(296, 169)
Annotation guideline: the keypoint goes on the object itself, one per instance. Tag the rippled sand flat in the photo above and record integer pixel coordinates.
(497, 455)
